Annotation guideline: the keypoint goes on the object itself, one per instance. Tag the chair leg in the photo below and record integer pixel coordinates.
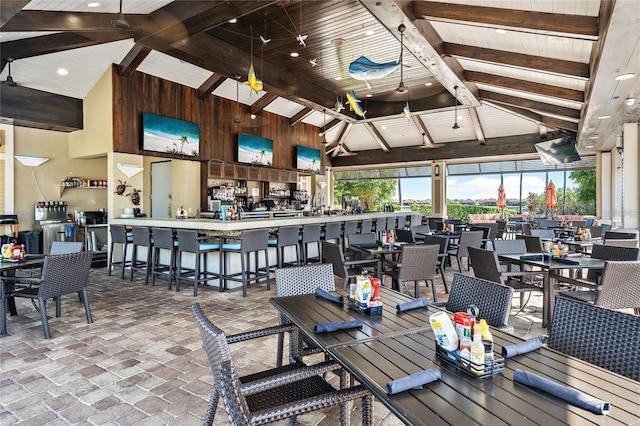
(45, 321)
(124, 258)
(196, 274)
(87, 308)
(266, 262)
(211, 408)
(110, 263)
(433, 289)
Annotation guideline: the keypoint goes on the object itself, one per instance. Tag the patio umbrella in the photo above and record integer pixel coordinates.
(552, 199)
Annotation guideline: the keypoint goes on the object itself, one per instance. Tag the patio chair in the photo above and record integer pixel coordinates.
(526, 228)
(621, 242)
(534, 244)
(619, 287)
(61, 274)
(585, 331)
(332, 253)
(301, 280)
(416, 263)
(595, 231)
(367, 239)
(443, 243)
(467, 239)
(543, 234)
(404, 236)
(486, 266)
(615, 253)
(492, 299)
(275, 394)
(509, 247)
(616, 235)
(419, 229)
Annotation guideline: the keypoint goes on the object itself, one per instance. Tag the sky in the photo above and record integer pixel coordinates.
(482, 187)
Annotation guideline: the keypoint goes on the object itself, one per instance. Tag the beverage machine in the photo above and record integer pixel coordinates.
(52, 217)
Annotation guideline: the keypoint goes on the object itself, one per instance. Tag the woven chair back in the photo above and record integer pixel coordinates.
(65, 247)
(304, 279)
(65, 274)
(620, 286)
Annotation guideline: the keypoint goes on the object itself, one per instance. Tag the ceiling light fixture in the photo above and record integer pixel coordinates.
(62, 71)
(625, 76)
(30, 161)
(369, 32)
(93, 4)
(9, 81)
(630, 101)
(501, 31)
(455, 108)
(401, 88)
(604, 117)
(294, 54)
(233, 21)
(120, 22)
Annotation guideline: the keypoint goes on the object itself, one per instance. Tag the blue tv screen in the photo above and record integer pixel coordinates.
(308, 158)
(170, 135)
(255, 150)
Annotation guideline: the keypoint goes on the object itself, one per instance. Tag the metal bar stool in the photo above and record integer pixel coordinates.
(287, 236)
(190, 242)
(310, 235)
(366, 226)
(119, 236)
(141, 238)
(349, 228)
(332, 232)
(163, 240)
(250, 241)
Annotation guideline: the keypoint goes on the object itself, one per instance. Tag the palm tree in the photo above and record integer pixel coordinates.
(262, 154)
(313, 164)
(183, 140)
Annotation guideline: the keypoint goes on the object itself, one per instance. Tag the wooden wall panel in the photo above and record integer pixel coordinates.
(218, 132)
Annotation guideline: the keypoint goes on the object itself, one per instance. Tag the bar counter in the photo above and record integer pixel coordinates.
(239, 225)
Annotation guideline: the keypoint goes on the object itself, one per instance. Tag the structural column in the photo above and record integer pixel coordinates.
(439, 189)
(630, 176)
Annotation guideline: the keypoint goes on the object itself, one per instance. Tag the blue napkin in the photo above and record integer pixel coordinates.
(566, 261)
(563, 392)
(414, 381)
(326, 295)
(413, 304)
(328, 327)
(521, 348)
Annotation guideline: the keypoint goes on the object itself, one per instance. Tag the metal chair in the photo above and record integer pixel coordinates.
(368, 238)
(443, 243)
(310, 234)
(250, 241)
(492, 299)
(595, 231)
(609, 339)
(617, 235)
(619, 287)
(403, 236)
(467, 239)
(65, 247)
(348, 228)
(419, 229)
(366, 226)
(607, 252)
(509, 247)
(526, 228)
(274, 394)
(119, 236)
(416, 263)
(623, 242)
(287, 236)
(301, 280)
(141, 238)
(486, 266)
(190, 242)
(543, 234)
(163, 239)
(534, 244)
(332, 253)
(61, 274)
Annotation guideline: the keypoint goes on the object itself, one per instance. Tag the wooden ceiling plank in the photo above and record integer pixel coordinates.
(525, 86)
(333, 123)
(9, 8)
(562, 24)
(543, 120)
(209, 85)
(541, 107)
(49, 20)
(262, 103)
(477, 126)
(133, 58)
(378, 137)
(301, 115)
(520, 60)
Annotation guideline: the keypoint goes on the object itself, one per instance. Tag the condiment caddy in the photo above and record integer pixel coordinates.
(364, 295)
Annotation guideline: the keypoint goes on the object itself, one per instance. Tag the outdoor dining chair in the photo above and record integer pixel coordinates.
(416, 263)
(275, 394)
(345, 269)
(467, 239)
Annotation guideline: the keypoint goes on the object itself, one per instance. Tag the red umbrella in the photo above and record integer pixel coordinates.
(502, 198)
(552, 199)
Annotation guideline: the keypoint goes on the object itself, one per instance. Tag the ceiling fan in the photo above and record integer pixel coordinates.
(120, 22)
(425, 142)
(9, 81)
(455, 108)
(238, 115)
(401, 87)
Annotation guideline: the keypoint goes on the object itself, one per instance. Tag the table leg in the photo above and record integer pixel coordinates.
(3, 326)
(546, 299)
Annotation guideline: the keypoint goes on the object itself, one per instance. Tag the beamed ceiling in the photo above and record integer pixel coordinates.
(550, 69)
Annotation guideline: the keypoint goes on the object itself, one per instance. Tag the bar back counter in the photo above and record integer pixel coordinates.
(234, 227)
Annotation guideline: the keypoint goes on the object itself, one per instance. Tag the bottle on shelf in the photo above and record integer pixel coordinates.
(487, 341)
(476, 352)
(465, 346)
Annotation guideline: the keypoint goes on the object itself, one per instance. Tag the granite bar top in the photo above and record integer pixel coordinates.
(239, 225)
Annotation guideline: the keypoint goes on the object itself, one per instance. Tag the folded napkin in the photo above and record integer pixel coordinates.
(561, 391)
(328, 327)
(574, 255)
(566, 261)
(531, 257)
(414, 381)
(326, 295)
(413, 304)
(521, 348)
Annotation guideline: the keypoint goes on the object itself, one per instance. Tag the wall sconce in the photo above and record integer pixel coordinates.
(30, 161)
(130, 169)
(437, 170)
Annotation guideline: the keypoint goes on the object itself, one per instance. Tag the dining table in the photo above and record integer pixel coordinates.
(552, 269)
(380, 253)
(8, 268)
(395, 345)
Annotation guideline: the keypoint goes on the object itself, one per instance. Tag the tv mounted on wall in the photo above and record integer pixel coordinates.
(308, 158)
(558, 151)
(255, 150)
(170, 135)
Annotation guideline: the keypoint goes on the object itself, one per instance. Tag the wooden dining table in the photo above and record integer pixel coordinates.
(393, 345)
(8, 269)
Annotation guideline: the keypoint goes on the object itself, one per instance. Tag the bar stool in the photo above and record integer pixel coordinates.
(310, 235)
(163, 240)
(332, 232)
(119, 236)
(287, 236)
(141, 238)
(348, 228)
(250, 241)
(380, 225)
(366, 226)
(190, 242)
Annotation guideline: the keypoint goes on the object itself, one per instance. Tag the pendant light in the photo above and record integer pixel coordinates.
(120, 22)
(323, 135)
(9, 81)
(401, 88)
(455, 109)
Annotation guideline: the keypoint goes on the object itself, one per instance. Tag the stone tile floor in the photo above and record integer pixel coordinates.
(141, 361)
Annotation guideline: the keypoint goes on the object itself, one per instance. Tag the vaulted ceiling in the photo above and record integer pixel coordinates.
(524, 71)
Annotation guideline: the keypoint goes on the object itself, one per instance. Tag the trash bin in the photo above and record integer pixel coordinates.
(31, 241)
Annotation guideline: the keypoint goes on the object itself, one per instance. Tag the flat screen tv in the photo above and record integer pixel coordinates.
(307, 158)
(255, 150)
(170, 135)
(558, 151)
